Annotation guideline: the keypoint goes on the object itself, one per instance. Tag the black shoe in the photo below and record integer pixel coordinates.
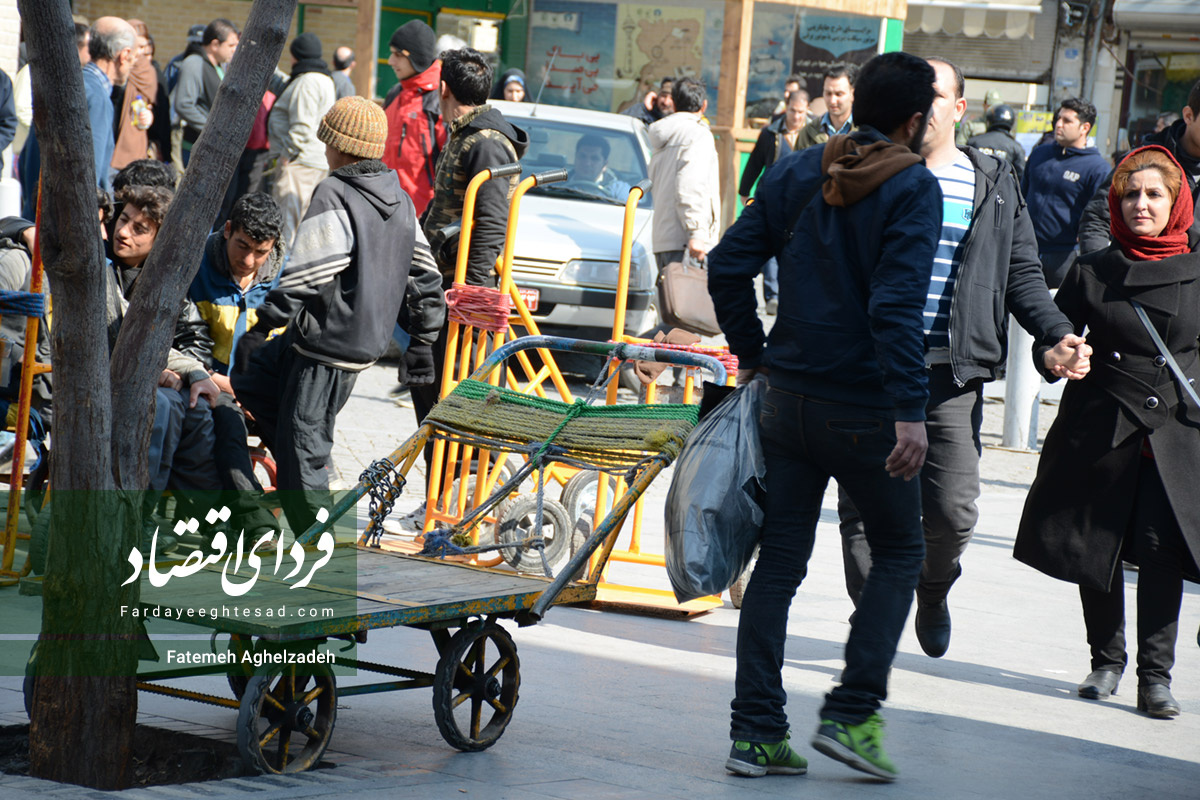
(933, 628)
(1155, 700)
(1100, 684)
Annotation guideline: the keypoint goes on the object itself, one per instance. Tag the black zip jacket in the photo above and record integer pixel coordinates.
(1094, 231)
(1000, 272)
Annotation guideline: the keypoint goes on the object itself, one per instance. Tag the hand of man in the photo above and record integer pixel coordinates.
(744, 376)
(223, 383)
(697, 249)
(170, 379)
(417, 367)
(251, 341)
(206, 389)
(1070, 358)
(145, 119)
(908, 456)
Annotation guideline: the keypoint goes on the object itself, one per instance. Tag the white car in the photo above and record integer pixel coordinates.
(569, 233)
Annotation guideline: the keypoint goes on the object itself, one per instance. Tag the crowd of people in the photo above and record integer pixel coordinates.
(893, 242)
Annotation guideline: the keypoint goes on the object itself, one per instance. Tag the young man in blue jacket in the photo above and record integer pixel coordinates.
(986, 265)
(846, 398)
(1060, 179)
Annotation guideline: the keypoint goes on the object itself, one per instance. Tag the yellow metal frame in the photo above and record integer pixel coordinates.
(612, 593)
(29, 369)
(466, 349)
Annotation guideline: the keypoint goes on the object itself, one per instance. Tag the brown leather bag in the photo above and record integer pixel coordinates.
(686, 303)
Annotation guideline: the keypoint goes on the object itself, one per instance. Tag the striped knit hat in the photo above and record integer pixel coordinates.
(355, 126)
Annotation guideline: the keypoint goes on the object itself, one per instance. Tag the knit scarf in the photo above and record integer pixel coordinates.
(304, 65)
(1173, 240)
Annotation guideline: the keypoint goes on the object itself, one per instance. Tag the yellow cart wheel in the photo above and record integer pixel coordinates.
(475, 686)
(286, 717)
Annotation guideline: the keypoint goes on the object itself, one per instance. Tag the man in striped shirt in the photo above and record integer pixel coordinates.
(986, 262)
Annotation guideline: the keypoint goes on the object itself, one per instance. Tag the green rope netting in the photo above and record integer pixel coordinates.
(599, 432)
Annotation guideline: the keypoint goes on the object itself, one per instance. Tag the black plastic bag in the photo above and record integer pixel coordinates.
(714, 512)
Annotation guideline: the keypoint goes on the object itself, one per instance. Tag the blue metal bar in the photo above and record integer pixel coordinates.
(386, 686)
(625, 352)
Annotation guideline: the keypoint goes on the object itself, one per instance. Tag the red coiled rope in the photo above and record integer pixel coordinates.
(722, 354)
(478, 307)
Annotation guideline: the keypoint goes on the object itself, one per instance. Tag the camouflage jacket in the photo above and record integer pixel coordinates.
(478, 140)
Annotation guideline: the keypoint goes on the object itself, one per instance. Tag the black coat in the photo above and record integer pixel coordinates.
(1077, 514)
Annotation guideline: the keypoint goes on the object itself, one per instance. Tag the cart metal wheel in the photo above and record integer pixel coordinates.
(579, 495)
(475, 686)
(286, 717)
(517, 516)
(28, 686)
(39, 541)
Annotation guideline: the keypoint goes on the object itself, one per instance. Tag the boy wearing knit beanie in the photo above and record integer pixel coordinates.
(359, 265)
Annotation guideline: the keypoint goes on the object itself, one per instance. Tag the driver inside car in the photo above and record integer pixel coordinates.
(591, 167)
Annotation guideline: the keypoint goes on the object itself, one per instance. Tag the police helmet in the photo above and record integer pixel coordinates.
(1001, 116)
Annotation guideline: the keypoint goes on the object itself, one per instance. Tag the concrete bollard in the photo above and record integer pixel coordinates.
(1022, 386)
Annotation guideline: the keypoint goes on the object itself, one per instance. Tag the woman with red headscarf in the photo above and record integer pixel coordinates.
(1116, 477)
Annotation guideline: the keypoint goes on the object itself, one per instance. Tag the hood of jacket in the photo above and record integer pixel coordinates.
(218, 255)
(675, 129)
(485, 118)
(859, 163)
(375, 181)
(426, 81)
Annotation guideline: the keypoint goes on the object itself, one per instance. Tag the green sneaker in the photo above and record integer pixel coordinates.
(859, 746)
(754, 759)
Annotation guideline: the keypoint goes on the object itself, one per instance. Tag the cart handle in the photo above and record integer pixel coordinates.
(623, 352)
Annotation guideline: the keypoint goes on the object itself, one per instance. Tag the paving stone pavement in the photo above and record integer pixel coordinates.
(617, 705)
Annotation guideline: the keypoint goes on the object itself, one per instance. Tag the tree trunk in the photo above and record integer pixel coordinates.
(86, 695)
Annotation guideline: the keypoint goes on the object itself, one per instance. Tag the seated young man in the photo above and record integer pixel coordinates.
(181, 441)
(240, 267)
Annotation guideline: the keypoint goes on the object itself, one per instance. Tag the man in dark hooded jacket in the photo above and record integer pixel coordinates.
(1183, 140)
(359, 257)
(479, 138)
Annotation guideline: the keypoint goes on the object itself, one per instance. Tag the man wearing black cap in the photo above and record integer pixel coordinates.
(415, 130)
(292, 128)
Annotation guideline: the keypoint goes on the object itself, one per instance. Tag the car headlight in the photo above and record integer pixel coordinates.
(603, 274)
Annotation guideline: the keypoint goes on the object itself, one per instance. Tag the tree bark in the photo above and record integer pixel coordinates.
(149, 325)
(86, 695)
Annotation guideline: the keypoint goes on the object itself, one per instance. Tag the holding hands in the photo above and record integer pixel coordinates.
(1070, 358)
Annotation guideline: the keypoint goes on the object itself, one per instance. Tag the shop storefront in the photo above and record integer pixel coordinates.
(1164, 58)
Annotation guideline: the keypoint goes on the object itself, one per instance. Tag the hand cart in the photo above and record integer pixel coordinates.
(287, 705)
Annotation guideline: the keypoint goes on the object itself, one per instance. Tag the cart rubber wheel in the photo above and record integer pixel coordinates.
(241, 672)
(517, 516)
(283, 703)
(579, 535)
(738, 590)
(39, 541)
(475, 686)
(27, 686)
(579, 495)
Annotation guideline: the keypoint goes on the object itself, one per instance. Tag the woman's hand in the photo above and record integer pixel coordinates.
(1070, 358)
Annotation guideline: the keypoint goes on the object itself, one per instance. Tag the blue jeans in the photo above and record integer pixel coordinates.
(808, 441)
(770, 273)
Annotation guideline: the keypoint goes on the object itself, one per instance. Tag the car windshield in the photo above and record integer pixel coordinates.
(602, 164)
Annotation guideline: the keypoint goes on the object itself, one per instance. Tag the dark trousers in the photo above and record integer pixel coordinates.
(806, 442)
(949, 489)
(295, 402)
(424, 398)
(241, 492)
(1161, 552)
